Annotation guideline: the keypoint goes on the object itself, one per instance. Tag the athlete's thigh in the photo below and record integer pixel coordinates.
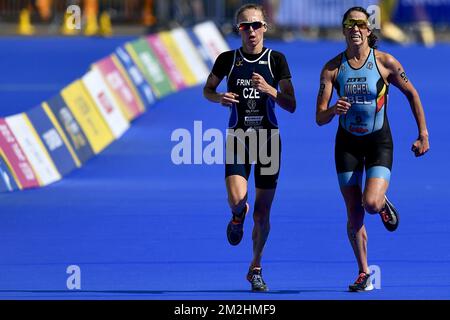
(378, 168)
(349, 167)
(375, 190)
(267, 168)
(352, 195)
(349, 159)
(237, 168)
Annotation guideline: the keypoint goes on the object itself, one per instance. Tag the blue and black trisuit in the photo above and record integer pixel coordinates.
(363, 138)
(252, 128)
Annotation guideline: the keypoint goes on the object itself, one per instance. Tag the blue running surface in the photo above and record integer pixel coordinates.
(141, 227)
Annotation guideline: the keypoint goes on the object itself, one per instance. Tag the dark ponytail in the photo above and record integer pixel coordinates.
(372, 39)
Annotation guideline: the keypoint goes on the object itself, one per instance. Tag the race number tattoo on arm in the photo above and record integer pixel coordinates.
(322, 88)
(403, 75)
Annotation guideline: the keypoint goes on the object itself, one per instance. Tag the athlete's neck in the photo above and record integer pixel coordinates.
(252, 50)
(357, 53)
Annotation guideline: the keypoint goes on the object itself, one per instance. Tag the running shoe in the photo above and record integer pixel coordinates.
(235, 228)
(254, 276)
(389, 216)
(363, 283)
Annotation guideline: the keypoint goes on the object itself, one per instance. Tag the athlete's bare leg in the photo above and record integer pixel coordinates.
(261, 228)
(237, 193)
(374, 192)
(356, 230)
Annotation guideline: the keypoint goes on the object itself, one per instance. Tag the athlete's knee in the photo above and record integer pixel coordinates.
(355, 223)
(355, 208)
(237, 202)
(373, 204)
(261, 214)
(355, 211)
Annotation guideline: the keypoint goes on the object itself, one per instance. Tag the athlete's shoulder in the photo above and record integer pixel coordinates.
(226, 55)
(277, 54)
(223, 64)
(279, 65)
(333, 64)
(278, 58)
(386, 60)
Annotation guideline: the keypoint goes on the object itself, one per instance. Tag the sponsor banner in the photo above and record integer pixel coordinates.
(16, 158)
(106, 104)
(199, 48)
(189, 52)
(145, 59)
(122, 89)
(57, 109)
(123, 72)
(211, 39)
(166, 61)
(178, 57)
(7, 181)
(143, 87)
(34, 149)
(54, 140)
(88, 116)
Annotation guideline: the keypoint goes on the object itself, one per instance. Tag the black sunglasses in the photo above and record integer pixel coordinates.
(245, 26)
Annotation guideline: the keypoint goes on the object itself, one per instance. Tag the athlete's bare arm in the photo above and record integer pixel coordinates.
(327, 77)
(397, 76)
(285, 98)
(210, 92)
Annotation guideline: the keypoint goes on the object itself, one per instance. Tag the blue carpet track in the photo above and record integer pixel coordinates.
(141, 227)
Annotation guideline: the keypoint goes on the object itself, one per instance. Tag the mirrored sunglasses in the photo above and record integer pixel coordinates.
(245, 26)
(351, 23)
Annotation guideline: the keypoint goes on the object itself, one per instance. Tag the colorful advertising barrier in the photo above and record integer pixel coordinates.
(57, 109)
(166, 61)
(122, 87)
(88, 116)
(49, 141)
(33, 148)
(107, 105)
(55, 142)
(211, 39)
(7, 181)
(143, 87)
(177, 55)
(189, 52)
(16, 159)
(150, 67)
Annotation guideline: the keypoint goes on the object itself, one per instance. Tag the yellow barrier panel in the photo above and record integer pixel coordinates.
(87, 115)
(178, 57)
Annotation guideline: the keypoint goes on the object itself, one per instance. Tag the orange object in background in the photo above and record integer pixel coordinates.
(91, 8)
(44, 8)
(148, 18)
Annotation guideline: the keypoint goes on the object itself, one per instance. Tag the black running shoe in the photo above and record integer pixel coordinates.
(235, 228)
(254, 276)
(389, 216)
(363, 283)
